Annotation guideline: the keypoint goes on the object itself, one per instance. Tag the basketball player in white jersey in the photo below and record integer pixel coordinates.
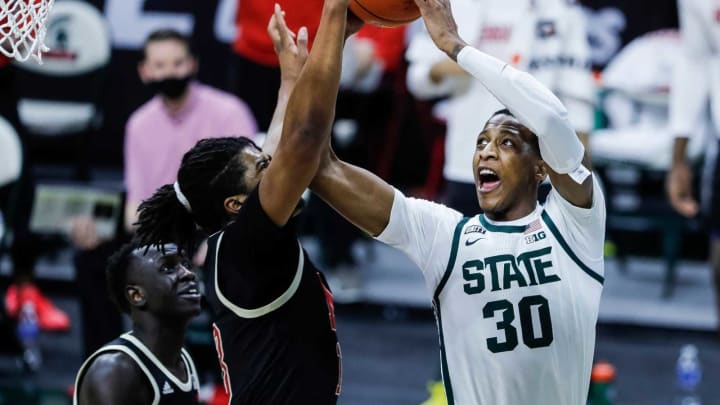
(516, 290)
(697, 82)
(147, 365)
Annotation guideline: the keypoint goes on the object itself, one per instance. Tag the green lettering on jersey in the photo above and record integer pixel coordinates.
(512, 273)
(472, 274)
(526, 260)
(528, 269)
(492, 262)
(539, 265)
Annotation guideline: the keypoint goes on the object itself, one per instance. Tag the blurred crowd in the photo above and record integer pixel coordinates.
(405, 112)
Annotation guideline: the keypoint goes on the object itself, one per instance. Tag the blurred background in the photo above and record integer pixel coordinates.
(77, 154)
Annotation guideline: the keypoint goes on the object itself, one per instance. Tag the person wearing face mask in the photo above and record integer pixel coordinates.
(157, 135)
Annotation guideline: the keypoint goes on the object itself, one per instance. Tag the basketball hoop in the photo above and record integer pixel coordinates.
(22, 28)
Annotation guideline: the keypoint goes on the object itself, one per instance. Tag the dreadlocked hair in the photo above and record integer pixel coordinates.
(210, 172)
(163, 219)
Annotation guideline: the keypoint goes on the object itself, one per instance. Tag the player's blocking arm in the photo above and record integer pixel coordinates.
(361, 197)
(308, 117)
(530, 102)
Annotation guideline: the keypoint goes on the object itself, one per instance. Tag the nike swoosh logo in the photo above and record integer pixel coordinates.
(472, 242)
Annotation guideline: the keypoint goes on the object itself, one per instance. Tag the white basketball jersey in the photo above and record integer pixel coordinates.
(516, 302)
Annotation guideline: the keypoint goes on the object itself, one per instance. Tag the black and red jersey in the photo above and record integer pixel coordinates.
(273, 316)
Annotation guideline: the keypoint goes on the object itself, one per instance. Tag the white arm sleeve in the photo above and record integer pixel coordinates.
(423, 230)
(532, 104)
(690, 88)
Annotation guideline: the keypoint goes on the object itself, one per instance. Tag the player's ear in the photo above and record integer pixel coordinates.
(233, 203)
(541, 172)
(135, 295)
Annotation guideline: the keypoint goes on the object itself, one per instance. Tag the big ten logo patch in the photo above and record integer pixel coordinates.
(535, 237)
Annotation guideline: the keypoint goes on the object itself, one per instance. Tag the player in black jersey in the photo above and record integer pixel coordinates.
(273, 315)
(147, 365)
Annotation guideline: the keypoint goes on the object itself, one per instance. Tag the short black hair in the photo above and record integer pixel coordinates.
(504, 111)
(116, 275)
(209, 173)
(165, 34)
(534, 141)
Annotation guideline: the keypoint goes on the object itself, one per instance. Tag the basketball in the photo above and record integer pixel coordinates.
(385, 13)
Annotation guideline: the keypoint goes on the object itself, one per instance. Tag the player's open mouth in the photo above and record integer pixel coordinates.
(191, 293)
(488, 180)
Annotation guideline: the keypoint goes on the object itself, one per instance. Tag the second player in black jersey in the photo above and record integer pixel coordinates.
(148, 365)
(273, 317)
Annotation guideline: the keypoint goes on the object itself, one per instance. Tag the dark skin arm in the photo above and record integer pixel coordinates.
(361, 197)
(114, 379)
(580, 195)
(679, 181)
(308, 119)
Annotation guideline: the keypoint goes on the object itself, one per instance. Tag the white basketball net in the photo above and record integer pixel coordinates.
(22, 28)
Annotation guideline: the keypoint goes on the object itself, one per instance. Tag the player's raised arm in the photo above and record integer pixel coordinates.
(308, 118)
(530, 102)
(360, 196)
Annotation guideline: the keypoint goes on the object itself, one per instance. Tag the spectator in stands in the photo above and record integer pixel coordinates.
(255, 72)
(546, 38)
(697, 81)
(157, 135)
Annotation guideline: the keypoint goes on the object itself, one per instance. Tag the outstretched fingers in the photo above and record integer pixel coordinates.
(302, 42)
(278, 30)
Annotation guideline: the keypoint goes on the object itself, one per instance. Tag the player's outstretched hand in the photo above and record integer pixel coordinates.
(291, 53)
(441, 26)
(679, 189)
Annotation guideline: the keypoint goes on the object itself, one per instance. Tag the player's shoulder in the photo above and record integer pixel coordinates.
(113, 363)
(113, 370)
(114, 377)
(427, 207)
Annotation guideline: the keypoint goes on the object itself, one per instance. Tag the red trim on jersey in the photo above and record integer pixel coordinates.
(330, 303)
(221, 357)
(331, 315)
